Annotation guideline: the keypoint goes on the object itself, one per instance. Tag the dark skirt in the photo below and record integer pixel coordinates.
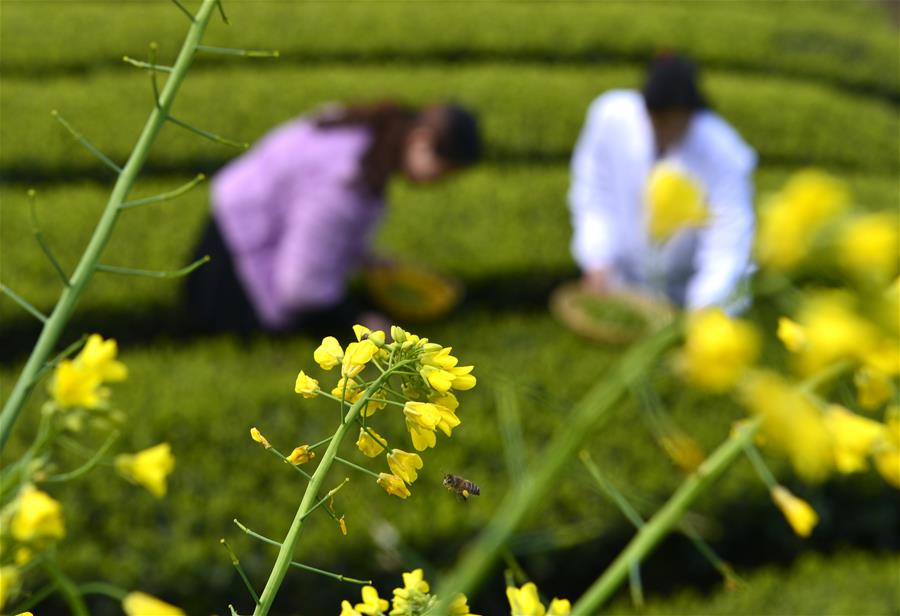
(214, 298)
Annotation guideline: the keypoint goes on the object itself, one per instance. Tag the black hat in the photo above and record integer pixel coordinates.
(672, 84)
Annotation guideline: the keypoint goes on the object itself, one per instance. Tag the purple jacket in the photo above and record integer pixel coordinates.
(295, 217)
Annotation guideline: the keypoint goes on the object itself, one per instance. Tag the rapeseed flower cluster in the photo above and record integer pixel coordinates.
(853, 328)
(425, 378)
(413, 599)
(791, 220)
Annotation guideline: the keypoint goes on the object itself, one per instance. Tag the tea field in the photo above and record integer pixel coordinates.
(806, 83)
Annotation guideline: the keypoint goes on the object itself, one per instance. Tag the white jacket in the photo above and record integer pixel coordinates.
(610, 167)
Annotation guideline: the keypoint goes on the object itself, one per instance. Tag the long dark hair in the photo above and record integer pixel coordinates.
(457, 136)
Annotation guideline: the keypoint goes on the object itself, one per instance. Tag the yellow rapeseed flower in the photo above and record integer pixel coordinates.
(789, 221)
(887, 453)
(38, 517)
(869, 246)
(460, 606)
(306, 386)
(791, 422)
(347, 609)
(404, 465)
(524, 601)
(392, 485)
(257, 436)
(354, 392)
(74, 385)
(833, 331)
(142, 604)
(462, 379)
(717, 350)
(372, 604)
(559, 607)
(329, 354)
(791, 334)
(301, 455)
(357, 355)
(439, 358)
(854, 438)
(873, 387)
(437, 378)
(797, 511)
(368, 445)
(884, 356)
(364, 333)
(675, 201)
(422, 419)
(148, 468)
(9, 584)
(99, 356)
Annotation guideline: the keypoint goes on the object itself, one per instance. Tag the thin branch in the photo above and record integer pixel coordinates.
(240, 570)
(153, 84)
(321, 502)
(336, 576)
(356, 466)
(244, 53)
(87, 144)
(37, 314)
(166, 196)
(208, 135)
(128, 271)
(184, 10)
(103, 588)
(284, 459)
(39, 236)
(87, 466)
(162, 68)
(222, 12)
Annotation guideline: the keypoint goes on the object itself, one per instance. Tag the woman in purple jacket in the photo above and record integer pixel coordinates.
(293, 218)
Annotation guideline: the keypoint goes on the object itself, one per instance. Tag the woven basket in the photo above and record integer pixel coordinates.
(582, 312)
(410, 293)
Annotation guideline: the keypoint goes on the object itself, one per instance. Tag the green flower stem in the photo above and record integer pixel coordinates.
(284, 459)
(85, 468)
(35, 599)
(320, 443)
(283, 561)
(337, 576)
(532, 490)
(67, 588)
(759, 466)
(665, 519)
(69, 297)
(325, 498)
(356, 466)
(103, 588)
(237, 565)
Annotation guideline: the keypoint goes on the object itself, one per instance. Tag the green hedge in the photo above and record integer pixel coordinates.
(822, 40)
(498, 224)
(529, 112)
(815, 585)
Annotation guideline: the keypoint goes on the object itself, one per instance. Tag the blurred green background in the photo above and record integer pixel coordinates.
(806, 83)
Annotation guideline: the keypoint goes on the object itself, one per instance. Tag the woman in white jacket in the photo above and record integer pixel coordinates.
(626, 134)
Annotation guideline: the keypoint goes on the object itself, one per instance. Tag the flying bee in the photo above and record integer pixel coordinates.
(462, 487)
